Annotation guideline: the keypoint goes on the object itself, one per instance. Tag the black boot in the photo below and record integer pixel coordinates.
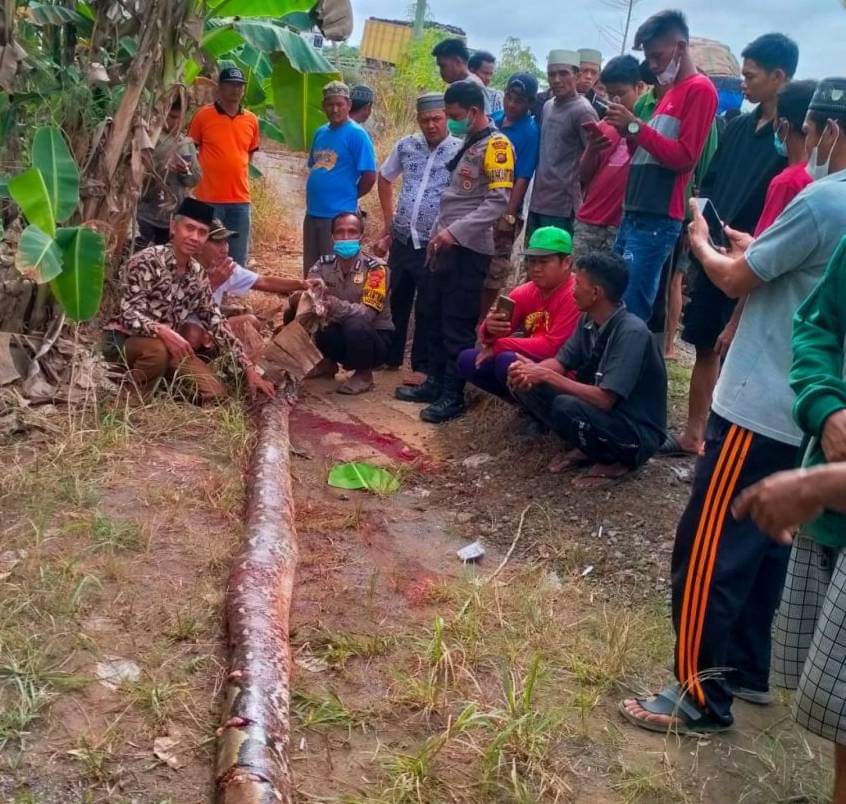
(426, 393)
(449, 406)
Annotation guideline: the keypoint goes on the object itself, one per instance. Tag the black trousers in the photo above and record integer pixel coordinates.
(727, 575)
(408, 272)
(354, 343)
(453, 290)
(603, 436)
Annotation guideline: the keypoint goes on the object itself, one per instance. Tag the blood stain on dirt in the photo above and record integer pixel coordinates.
(388, 444)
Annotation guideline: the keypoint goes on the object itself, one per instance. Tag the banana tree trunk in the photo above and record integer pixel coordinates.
(253, 765)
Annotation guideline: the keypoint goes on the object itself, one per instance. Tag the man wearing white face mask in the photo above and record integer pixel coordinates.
(727, 576)
(666, 151)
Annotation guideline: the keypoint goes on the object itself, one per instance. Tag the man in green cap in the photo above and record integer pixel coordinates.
(613, 413)
(557, 193)
(539, 318)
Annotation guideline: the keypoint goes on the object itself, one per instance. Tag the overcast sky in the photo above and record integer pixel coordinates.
(818, 26)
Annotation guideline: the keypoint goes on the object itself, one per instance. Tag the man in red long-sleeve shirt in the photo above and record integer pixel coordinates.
(544, 316)
(665, 152)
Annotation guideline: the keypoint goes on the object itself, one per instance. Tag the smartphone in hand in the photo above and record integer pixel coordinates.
(716, 230)
(504, 305)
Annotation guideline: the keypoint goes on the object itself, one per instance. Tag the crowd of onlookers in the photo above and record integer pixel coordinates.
(543, 243)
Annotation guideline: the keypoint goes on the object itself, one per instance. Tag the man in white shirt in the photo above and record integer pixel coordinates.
(421, 159)
(226, 276)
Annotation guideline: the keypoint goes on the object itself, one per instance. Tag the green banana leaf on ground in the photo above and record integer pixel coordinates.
(359, 475)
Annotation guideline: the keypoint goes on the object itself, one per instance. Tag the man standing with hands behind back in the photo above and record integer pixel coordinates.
(227, 136)
(342, 168)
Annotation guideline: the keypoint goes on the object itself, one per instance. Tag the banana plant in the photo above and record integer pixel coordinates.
(285, 74)
(70, 258)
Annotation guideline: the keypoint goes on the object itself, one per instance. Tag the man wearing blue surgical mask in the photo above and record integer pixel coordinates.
(358, 327)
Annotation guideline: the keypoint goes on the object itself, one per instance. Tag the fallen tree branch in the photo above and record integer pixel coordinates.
(253, 765)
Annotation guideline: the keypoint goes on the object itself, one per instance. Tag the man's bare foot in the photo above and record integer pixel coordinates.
(360, 383)
(599, 475)
(679, 446)
(571, 459)
(637, 714)
(325, 368)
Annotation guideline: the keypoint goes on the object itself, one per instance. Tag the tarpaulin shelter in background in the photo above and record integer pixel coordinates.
(721, 65)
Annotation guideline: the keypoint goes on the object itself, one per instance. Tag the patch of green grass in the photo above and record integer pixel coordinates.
(338, 647)
(28, 680)
(411, 777)
(184, 627)
(109, 534)
(326, 709)
(678, 382)
(158, 699)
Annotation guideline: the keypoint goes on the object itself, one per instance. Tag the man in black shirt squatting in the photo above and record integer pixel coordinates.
(613, 414)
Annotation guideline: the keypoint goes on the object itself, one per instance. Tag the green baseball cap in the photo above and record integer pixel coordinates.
(549, 240)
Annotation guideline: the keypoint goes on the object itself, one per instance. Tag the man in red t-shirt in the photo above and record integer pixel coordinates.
(666, 150)
(793, 102)
(604, 169)
(544, 316)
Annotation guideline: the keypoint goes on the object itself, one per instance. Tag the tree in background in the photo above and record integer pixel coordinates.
(515, 58)
(617, 33)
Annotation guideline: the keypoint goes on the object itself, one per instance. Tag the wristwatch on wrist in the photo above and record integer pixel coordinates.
(509, 219)
(633, 128)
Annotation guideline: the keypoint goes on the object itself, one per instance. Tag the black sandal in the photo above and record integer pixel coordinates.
(672, 702)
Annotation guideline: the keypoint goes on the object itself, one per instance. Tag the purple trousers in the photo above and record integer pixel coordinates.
(491, 376)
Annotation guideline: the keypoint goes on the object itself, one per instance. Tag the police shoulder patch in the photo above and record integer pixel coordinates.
(327, 259)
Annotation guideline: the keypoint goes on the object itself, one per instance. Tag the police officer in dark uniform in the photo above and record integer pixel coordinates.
(461, 248)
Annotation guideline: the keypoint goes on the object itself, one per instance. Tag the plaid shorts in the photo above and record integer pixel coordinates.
(809, 643)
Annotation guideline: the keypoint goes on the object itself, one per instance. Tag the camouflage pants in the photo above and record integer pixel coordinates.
(588, 238)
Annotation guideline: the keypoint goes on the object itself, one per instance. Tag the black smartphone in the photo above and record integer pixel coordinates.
(716, 232)
(504, 304)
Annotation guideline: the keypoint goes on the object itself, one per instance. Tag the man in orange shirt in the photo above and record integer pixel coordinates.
(226, 136)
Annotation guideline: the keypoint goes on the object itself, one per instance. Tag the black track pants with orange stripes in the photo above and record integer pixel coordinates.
(727, 575)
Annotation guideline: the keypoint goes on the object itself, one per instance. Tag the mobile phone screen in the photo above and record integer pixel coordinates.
(504, 304)
(712, 218)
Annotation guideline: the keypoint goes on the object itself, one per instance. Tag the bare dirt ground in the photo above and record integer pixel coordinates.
(417, 679)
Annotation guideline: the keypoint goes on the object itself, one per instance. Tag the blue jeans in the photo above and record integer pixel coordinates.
(237, 218)
(645, 242)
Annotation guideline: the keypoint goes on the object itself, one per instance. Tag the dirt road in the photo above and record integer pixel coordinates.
(417, 678)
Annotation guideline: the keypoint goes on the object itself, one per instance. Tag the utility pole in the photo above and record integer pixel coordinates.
(419, 19)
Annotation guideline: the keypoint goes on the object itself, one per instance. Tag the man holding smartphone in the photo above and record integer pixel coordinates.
(174, 171)
(665, 152)
(534, 320)
(736, 183)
